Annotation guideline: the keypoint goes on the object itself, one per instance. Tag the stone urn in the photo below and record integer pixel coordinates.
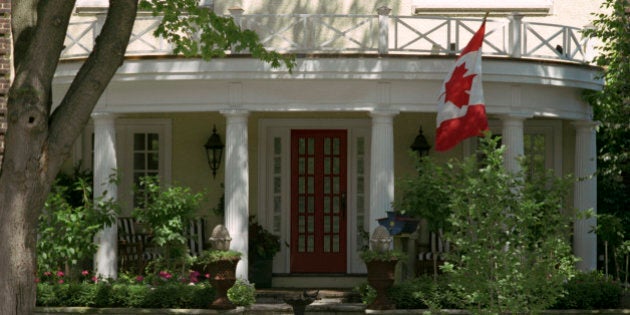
(220, 263)
(381, 262)
(222, 278)
(381, 277)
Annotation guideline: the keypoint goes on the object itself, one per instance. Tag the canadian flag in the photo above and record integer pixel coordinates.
(461, 109)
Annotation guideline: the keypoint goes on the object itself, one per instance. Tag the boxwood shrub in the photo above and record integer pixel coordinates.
(590, 290)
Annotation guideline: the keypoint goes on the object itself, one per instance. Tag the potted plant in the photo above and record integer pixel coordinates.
(221, 266)
(263, 246)
(381, 268)
(381, 262)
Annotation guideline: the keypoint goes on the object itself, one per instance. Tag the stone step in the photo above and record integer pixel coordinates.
(327, 296)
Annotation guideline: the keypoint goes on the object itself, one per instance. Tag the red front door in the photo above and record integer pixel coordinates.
(318, 201)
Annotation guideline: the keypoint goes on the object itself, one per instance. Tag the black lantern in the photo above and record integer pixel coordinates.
(420, 144)
(214, 150)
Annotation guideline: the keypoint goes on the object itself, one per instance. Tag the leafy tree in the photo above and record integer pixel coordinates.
(510, 251)
(39, 139)
(612, 109)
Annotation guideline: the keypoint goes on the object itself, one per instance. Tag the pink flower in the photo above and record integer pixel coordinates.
(60, 273)
(37, 280)
(85, 272)
(207, 275)
(47, 273)
(95, 279)
(60, 281)
(165, 275)
(139, 278)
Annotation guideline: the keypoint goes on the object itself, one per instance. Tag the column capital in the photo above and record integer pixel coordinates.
(383, 113)
(235, 113)
(585, 124)
(103, 115)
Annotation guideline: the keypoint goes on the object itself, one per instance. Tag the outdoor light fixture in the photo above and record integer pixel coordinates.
(214, 150)
(420, 144)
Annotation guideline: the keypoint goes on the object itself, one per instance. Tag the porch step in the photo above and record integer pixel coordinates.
(324, 296)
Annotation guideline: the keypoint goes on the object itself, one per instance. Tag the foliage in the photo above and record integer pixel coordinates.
(69, 222)
(367, 293)
(423, 292)
(510, 249)
(160, 290)
(103, 294)
(372, 255)
(201, 32)
(590, 290)
(610, 231)
(242, 293)
(212, 255)
(612, 109)
(424, 194)
(165, 212)
(262, 243)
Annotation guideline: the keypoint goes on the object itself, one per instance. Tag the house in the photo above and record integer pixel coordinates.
(315, 153)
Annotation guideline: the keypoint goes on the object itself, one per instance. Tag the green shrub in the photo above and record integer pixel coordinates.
(367, 293)
(423, 292)
(591, 290)
(170, 295)
(242, 293)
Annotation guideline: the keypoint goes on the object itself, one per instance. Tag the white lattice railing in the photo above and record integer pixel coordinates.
(368, 34)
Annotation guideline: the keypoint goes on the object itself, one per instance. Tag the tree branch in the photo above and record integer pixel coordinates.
(69, 119)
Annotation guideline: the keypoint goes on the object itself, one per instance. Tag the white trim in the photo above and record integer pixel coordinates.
(270, 128)
(462, 7)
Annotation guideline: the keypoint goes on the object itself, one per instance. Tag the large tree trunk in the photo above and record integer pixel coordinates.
(37, 142)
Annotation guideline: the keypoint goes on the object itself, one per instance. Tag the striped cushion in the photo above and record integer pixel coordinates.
(439, 247)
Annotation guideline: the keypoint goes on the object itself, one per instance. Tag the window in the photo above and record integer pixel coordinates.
(143, 148)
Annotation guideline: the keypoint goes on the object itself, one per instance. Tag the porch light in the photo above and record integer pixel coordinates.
(420, 145)
(214, 151)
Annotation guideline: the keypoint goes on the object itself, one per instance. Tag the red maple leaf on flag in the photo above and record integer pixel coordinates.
(458, 87)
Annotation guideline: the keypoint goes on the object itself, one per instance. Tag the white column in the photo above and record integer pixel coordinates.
(105, 166)
(585, 194)
(381, 165)
(512, 138)
(237, 185)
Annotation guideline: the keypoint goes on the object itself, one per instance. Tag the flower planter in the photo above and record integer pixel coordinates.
(222, 278)
(381, 277)
(397, 223)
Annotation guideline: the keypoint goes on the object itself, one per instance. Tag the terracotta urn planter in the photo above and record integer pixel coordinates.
(222, 278)
(381, 277)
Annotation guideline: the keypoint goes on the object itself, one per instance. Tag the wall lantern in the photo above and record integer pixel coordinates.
(420, 145)
(214, 150)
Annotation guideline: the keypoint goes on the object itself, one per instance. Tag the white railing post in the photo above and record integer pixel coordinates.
(515, 35)
(383, 29)
(237, 15)
(588, 47)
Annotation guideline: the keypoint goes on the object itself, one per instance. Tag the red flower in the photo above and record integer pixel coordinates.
(85, 272)
(60, 281)
(60, 273)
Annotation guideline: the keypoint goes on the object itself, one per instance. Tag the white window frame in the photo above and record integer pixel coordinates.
(125, 128)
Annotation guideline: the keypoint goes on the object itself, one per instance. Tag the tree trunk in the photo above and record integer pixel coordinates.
(19, 236)
(37, 142)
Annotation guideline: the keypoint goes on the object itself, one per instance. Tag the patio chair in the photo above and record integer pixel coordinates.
(431, 256)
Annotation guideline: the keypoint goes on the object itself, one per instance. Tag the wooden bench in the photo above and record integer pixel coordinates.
(135, 249)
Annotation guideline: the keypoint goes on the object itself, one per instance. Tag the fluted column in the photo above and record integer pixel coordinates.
(585, 194)
(105, 165)
(512, 137)
(237, 185)
(381, 165)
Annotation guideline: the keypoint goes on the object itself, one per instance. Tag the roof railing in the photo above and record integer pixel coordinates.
(380, 33)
